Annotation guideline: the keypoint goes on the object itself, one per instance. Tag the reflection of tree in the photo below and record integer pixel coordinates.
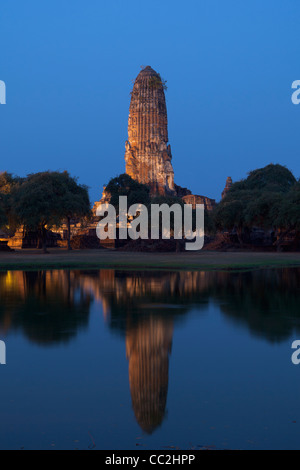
(265, 301)
(48, 305)
(143, 306)
(134, 295)
(51, 306)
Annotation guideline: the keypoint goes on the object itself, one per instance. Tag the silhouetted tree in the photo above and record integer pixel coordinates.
(75, 202)
(3, 218)
(124, 185)
(7, 183)
(44, 200)
(260, 200)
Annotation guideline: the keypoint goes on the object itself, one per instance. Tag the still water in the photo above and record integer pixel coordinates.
(149, 360)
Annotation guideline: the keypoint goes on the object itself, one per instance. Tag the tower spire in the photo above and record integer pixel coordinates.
(148, 153)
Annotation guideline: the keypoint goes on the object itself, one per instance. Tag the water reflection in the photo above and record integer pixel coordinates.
(49, 307)
(52, 307)
(267, 302)
(148, 346)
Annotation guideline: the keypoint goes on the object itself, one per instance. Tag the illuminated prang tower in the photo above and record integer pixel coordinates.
(148, 153)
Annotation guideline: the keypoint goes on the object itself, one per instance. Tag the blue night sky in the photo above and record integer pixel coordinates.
(229, 66)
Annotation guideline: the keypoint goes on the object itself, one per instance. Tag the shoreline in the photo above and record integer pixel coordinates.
(32, 259)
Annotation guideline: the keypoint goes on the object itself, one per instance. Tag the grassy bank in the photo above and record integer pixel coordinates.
(97, 259)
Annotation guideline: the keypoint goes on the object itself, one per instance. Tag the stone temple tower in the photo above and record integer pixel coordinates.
(148, 154)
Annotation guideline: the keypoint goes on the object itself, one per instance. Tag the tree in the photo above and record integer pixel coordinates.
(255, 201)
(230, 214)
(124, 185)
(75, 203)
(287, 214)
(3, 218)
(276, 178)
(44, 200)
(7, 183)
(261, 210)
(209, 223)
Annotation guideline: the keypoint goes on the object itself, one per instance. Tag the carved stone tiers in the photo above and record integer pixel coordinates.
(148, 154)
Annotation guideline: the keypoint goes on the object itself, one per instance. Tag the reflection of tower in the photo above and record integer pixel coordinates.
(148, 153)
(148, 346)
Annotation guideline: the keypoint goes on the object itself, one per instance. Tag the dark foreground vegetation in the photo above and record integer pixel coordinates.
(260, 212)
(40, 202)
(263, 209)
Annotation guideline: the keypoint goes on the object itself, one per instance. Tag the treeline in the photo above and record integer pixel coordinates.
(40, 202)
(268, 199)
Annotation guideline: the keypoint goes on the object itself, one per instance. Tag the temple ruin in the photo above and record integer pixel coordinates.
(228, 186)
(148, 156)
(148, 152)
